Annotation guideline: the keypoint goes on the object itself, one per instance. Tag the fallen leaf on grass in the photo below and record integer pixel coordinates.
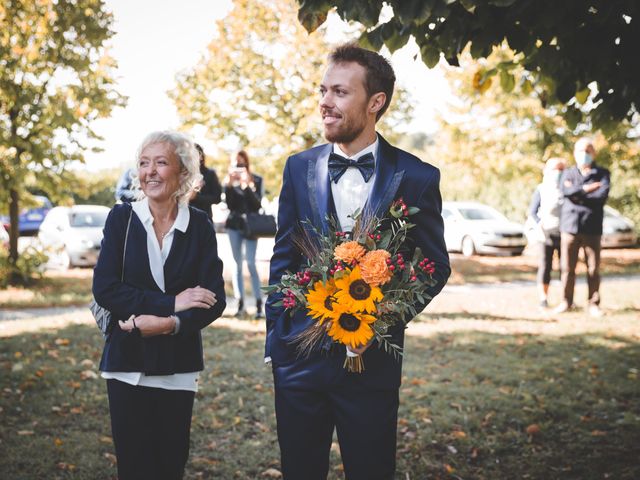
(533, 429)
(598, 433)
(18, 355)
(39, 373)
(58, 442)
(25, 432)
(62, 341)
(111, 457)
(88, 374)
(449, 469)
(66, 466)
(272, 473)
(105, 439)
(459, 434)
(17, 367)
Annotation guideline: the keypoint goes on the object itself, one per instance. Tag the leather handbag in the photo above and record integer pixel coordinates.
(257, 225)
(102, 315)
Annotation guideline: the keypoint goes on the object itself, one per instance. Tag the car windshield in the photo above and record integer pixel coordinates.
(88, 219)
(479, 214)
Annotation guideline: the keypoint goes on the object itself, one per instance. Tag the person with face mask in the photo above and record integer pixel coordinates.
(585, 189)
(544, 211)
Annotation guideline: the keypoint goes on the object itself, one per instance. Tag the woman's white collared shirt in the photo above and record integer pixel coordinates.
(157, 257)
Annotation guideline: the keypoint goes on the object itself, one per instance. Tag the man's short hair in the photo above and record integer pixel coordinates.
(379, 75)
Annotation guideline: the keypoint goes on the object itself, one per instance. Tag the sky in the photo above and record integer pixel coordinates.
(154, 40)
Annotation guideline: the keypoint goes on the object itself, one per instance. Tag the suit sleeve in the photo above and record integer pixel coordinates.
(285, 256)
(429, 235)
(109, 290)
(209, 277)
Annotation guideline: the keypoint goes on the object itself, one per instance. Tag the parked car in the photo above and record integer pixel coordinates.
(617, 230)
(72, 235)
(473, 227)
(30, 219)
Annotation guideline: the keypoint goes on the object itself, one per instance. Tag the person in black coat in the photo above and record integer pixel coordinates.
(210, 191)
(243, 194)
(585, 189)
(160, 276)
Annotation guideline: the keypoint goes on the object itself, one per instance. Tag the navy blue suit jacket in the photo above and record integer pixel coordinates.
(306, 195)
(192, 261)
(583, 212)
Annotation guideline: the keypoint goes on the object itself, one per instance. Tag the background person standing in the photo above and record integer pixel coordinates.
(210, 189)
(585, 188)
(544, 210)
(243, 194)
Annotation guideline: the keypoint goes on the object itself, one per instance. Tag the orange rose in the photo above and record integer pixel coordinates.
(349, 251)
(374, 268)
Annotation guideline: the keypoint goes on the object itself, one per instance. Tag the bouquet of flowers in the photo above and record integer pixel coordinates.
(357, 285)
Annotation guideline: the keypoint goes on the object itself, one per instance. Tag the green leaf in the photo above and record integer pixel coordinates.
(507, 81)
(312, 16)
(430, 55)
(583, 95)
(526, 87)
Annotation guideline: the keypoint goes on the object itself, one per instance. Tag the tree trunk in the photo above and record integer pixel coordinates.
(14, 233)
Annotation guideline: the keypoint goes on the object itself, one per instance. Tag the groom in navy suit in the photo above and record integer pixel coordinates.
(358, 169)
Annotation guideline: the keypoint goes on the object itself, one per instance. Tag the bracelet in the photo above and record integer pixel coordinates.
(134, 323)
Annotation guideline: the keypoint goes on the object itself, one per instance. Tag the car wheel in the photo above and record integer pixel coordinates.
(468, 247)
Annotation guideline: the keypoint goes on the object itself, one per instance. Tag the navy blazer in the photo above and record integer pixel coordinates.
(192, 261)
(583, 212)
(306, 195)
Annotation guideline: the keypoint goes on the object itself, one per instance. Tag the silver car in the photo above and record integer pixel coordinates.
(617, 230)
(473, 227)
(72, 236)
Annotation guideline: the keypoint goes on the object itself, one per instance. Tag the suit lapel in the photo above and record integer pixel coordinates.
(319, 187)
(387, 180)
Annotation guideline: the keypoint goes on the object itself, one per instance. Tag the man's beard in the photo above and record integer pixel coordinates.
(347, 133)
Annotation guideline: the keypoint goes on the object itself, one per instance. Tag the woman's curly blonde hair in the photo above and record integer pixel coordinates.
(185, 150)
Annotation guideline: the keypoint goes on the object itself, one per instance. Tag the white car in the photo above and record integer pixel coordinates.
(617, 230)
(72, 236)
(473, 227)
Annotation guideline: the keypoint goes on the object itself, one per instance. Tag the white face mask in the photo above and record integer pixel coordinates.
(583, 159)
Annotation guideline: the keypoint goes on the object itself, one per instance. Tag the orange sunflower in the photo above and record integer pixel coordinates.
(356, 294)
(351, 328)
(320, 300)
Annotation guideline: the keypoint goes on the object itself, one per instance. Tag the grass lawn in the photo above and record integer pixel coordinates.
(505, 395)
(73, 287)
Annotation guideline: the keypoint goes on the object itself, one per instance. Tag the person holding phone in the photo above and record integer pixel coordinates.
(243, 194)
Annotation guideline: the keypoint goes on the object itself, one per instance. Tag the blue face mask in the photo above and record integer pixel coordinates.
(583, 159)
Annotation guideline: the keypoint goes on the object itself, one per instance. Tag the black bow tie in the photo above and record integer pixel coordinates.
(338, 165)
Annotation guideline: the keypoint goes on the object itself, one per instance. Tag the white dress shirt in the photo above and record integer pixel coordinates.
(157, 257)
(351, 191)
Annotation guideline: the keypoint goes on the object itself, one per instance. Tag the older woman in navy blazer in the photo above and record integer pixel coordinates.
(171, 288)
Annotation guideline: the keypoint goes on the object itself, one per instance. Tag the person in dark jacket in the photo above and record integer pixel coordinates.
(243, 194)
(125, 191)
(160, 276)
(210, 190)
(585, 189)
